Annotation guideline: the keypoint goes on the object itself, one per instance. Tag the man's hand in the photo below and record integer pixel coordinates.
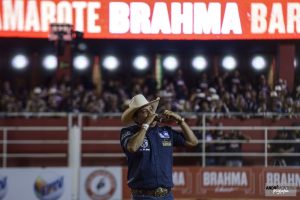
(150, 118)
(171, 115)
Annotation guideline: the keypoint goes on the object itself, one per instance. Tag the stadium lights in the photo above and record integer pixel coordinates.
(110, 63)
(259, 63)
(229, 63)
(19, 62)
(81, 62)
(199, 63)
(140, 63)
(170, 63)
(50, 62)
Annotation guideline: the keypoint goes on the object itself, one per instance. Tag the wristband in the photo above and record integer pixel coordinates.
(145, 126)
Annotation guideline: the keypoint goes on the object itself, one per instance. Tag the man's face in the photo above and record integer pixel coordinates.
(143, 113)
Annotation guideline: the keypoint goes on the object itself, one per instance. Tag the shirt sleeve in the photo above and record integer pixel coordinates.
(178, 139)
(125, 136)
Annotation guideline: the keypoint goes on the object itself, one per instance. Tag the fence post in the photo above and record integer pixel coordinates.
(203, 140)
(4, 148)
(75, 159)
(266, 147)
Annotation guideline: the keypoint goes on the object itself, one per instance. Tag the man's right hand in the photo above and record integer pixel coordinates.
(150, 118)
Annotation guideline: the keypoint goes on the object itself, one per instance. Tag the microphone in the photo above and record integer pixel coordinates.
(162, 118)
(159, 118)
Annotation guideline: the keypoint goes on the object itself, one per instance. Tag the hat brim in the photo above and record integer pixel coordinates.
(127, 116)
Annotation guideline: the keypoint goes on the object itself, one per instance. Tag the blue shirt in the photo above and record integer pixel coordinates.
(151, 165)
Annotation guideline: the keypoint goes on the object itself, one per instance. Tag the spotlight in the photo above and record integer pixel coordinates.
(229, 63)
(110, 63)
(170, 63)
(81, 62)
(199, 63)
(259, 63)
(19, 62)
(50, 62)
(295, 62)
(140, 63)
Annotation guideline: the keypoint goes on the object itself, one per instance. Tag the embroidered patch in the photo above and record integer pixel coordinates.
(166, 143)
(164, 134)
(127, 133)
(145, 146)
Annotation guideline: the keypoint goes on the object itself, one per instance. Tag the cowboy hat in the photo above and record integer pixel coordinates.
(136, 103)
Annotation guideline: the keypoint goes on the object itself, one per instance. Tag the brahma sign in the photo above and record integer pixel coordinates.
(147, 19)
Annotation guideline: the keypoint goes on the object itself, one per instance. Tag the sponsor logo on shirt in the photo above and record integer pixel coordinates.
(164, 134)
(166, 143)
(127, 133)
(145, 146)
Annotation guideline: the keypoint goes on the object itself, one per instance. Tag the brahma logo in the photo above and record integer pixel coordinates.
(3, 186)
(49, 186)
(100, 185)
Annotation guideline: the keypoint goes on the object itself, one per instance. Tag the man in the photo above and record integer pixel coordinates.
(285, 147)
(235, 147)
(149, 148)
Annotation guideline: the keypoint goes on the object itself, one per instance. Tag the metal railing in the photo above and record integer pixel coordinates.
(265, 130)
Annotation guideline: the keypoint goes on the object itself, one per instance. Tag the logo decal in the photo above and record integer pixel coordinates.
(3, 186)
(49, 186)
(145, 146)
(100, 185)
(164, 134)
(166, 143)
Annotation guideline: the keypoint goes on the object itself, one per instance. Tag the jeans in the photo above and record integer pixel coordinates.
(145, 197)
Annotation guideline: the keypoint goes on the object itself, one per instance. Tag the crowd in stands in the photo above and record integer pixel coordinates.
(226, 93)
(229, 93)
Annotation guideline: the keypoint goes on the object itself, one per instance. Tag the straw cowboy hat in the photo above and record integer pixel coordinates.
(136, 103)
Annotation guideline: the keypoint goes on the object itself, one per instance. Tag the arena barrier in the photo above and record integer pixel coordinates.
(109, 183)
(76, 141)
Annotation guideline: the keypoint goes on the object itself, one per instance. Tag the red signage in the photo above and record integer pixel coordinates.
(231, 182)
(224, 181)
(147, 19)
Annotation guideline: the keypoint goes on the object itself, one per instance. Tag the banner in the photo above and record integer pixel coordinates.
(35, 184)
(147, 19)
(233, 182)
(110, 183)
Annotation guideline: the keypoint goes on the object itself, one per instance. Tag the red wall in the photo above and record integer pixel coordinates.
(108, 135)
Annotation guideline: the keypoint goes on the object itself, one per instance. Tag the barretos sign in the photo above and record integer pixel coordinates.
(147, 19)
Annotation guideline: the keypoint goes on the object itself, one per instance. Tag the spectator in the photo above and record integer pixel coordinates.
(235, 147)
(54, 100)
(288, 106)
(296, 134)
(263, 86)
(13, 105)
(297, 96)
(297, 106)
(284, 147)
(219, 146)
(35, 103)
(181, 89)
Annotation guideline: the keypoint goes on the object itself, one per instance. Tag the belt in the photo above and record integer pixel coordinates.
(157, 192)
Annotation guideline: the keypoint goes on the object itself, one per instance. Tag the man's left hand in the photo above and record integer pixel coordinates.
(172, 115)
